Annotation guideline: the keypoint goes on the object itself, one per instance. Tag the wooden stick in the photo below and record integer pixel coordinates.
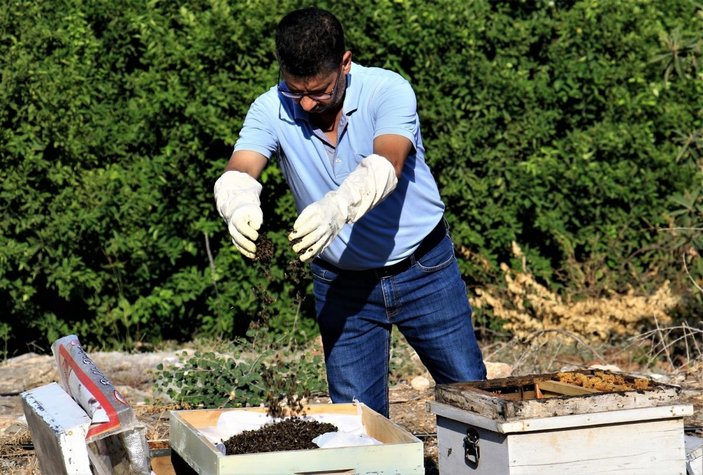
(538, 392)
(565, 388)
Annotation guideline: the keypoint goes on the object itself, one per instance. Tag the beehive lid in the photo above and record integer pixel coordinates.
(556, 394)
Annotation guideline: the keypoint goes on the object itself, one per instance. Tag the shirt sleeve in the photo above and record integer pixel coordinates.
(396, 111)
(258, 133)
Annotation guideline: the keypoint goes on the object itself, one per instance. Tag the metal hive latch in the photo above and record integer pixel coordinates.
(472, 451)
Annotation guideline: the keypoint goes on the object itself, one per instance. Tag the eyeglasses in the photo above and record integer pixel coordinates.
(321, 96)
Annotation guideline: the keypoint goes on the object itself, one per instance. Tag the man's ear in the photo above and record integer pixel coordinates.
(346, 62)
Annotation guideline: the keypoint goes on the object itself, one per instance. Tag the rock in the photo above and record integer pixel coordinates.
(11, 420)
(16, 428)
(420, 383)
(497, 370)
(25, 372)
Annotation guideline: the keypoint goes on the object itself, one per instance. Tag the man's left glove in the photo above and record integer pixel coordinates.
(237, 197)
(320, 222)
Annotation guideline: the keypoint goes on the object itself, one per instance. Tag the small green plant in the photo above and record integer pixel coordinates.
(680, 54)
(262, 373)
(211, 380)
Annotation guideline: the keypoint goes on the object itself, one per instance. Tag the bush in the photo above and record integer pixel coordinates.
(117, 121)
(570, 127)
(265, 371)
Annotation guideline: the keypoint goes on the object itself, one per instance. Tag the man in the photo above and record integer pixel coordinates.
(348, 141)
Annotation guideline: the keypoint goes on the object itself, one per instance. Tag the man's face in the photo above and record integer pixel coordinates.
(317, 94)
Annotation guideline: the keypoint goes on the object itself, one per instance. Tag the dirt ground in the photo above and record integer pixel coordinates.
(133, 377)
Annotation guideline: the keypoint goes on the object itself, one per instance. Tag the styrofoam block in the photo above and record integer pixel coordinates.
(58, 426)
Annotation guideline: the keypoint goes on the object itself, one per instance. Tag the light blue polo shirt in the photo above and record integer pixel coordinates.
(377, 102)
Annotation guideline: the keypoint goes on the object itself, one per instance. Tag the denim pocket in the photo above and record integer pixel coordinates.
(438, 258)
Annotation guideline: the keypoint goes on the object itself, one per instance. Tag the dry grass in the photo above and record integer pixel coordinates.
(16, 454)
(548, 331)
(532, 311)
(679, 346)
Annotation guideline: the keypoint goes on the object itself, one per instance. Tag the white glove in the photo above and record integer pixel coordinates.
(237, 198)
(320, 222)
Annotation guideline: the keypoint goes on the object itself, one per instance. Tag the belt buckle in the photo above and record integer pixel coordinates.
(381, 272)
(393, 269)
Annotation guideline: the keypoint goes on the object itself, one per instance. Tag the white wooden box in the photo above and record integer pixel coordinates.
(401, 453)
(483, 430)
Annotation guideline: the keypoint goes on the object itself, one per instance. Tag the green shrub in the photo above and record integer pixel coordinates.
(570, 127)
(264, 372)
(117, 120)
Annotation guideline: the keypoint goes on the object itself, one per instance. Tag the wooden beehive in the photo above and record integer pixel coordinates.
(400, 452)
(569, 422)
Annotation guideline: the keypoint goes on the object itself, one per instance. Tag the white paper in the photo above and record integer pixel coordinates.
(343, 439)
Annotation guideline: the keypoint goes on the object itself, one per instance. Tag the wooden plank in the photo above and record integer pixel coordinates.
(523, 396)
(566, 389)
(497, 387)
(480, 402)
(380, 428)
(199, 419)
(192, 447)
(369, 459)
(647, 447)
(591, 403)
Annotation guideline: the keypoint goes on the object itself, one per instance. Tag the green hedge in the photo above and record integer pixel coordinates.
(572, 128)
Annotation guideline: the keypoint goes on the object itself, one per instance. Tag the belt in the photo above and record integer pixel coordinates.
(430, 242)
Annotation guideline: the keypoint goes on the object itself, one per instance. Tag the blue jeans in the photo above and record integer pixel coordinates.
(427, 302)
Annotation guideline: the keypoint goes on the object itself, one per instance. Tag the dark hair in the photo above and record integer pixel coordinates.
(309, 41)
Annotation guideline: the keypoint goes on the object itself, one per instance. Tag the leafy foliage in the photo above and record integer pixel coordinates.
(117, 121)
(263, 372)
(570, 127)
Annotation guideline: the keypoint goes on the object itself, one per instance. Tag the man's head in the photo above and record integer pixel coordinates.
(309, 42)
(313, 61)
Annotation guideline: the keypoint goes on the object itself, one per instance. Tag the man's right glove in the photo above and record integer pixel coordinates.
(320, 222)
(237, 197)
